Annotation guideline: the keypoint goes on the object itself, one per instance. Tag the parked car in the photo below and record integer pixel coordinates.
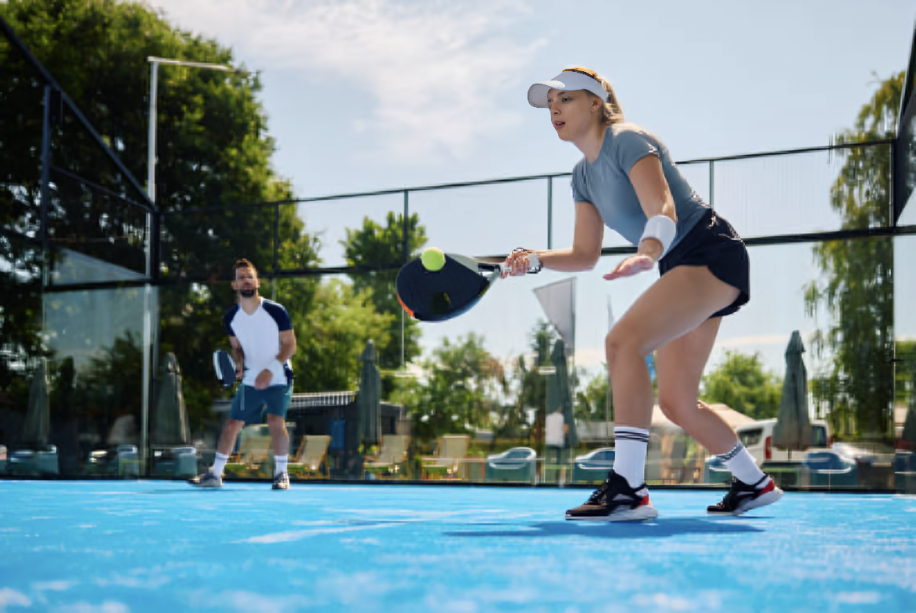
(758, 440)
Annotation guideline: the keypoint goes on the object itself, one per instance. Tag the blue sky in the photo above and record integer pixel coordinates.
(366, 95)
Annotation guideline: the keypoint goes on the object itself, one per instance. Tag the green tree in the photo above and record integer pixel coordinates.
(375, 245)
(741, 383)
(906, 364)
(211, 152)
(332, 338)
(590, 401)
(20, 309)
(857, 289)
(461, 390)
(110, 386)
(531, 388)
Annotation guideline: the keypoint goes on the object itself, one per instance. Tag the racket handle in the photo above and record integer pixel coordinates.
(533, 262)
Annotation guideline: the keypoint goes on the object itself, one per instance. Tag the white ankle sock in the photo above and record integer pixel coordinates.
(280, 464)
(742, 464)
(219, 463)
(630, 454)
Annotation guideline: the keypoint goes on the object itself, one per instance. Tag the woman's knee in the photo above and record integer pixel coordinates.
(677, 410)
(618, 344)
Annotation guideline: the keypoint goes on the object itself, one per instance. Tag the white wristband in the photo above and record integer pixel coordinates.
(662, 228)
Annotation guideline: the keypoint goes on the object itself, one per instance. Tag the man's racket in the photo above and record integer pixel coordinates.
(450, 291)
(224, 367)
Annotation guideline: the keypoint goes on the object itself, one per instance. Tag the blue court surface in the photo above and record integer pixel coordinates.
(163, 546)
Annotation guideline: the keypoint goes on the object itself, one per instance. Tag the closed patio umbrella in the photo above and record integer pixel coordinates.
(793, 427)
(560, 394)
(369, 398)
(37, 424)
(170, 425)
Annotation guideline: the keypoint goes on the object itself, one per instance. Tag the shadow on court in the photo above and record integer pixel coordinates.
(658, 529)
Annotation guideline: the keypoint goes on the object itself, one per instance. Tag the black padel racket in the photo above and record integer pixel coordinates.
(224, 367)
(450, 291)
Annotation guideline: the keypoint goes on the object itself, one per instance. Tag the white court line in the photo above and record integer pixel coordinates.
(298, 535)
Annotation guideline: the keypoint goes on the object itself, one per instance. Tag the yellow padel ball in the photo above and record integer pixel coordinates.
(432, 259)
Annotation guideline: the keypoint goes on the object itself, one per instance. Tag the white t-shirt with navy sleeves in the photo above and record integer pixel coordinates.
(259, 336)
(606, 184)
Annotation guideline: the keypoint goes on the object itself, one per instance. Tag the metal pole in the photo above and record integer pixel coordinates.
(550, 212)
(148, 293)
(153, 227)
(275, 280)
(712, 184)
(406, 255)
(45, 170)
(151, 151)
(276, 238)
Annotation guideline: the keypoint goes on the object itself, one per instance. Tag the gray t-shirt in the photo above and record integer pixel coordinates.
(606, 183)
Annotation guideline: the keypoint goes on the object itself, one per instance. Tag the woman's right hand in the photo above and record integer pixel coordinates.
(517, 264)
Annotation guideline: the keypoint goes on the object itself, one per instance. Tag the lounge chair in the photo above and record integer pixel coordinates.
(310, 457)
(254, 456)
(391, 460)
(447, 463)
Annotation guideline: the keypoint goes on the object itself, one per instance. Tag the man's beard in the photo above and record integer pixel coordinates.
(247, 293)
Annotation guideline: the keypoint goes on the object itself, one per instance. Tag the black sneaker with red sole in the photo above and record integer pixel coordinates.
(614, 500)
(743, 497)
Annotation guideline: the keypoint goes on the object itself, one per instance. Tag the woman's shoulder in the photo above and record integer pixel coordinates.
(628, 129)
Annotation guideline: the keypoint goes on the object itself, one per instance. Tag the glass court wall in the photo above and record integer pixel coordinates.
(112, 308)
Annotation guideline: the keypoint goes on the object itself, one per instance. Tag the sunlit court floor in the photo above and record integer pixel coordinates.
(164, 546)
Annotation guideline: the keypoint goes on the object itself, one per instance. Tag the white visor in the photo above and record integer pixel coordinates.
(567, 81)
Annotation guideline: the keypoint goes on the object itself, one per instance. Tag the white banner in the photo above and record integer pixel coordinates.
(559, 303)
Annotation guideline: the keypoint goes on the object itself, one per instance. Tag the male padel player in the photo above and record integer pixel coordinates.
(262, 339)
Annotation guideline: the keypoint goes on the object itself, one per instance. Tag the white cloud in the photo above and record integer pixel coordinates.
(433, 74)
(10, 597)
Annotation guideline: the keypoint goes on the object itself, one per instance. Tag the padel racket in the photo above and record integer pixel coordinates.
(224, 367)
(450, 291)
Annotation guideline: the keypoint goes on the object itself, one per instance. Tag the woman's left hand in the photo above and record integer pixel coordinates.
(633, 265)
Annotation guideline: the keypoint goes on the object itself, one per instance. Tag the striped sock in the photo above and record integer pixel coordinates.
(741, 464)
(630, 446)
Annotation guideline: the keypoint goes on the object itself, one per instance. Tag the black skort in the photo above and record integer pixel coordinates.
(713, 243)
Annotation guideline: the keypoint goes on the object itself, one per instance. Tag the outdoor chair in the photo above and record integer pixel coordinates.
(905, 472)
(310, 457)
(594, 466)
(715, 471)
(830, 469)
(447, 462)
(175, 462)
(253, 458)
(516, 464)
(391, 460)
(34, 462)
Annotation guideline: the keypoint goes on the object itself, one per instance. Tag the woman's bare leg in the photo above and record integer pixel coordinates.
(678, 303)
(680, 366)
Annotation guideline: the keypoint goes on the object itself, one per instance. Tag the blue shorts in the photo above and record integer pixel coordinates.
(249, 404)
